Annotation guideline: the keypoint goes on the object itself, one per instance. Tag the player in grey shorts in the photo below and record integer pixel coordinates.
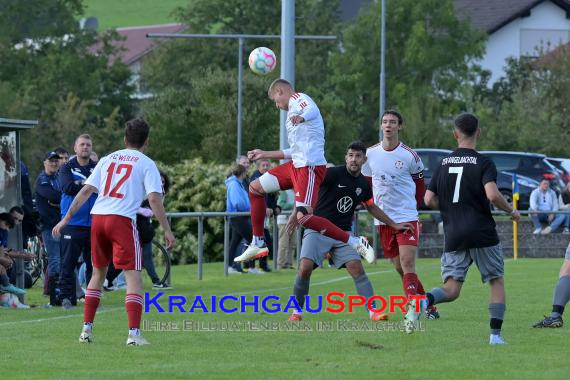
(343, 188)
(316, 246)
(560, 298)
(462, 188)
(489, 261)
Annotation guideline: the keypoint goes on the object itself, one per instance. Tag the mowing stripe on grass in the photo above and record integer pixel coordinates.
(326, 282)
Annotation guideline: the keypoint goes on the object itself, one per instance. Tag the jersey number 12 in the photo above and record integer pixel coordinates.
(459, 171)
(125, 174)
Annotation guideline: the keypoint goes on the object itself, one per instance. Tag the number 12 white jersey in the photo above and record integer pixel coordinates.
(123, 180)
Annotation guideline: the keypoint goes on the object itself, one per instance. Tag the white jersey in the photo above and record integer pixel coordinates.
(393, 173)
(123, 180)
(306, 139)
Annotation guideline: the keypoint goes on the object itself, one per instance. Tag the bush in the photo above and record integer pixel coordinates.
(196, 186)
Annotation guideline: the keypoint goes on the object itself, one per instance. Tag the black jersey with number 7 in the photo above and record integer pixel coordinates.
(459, 182)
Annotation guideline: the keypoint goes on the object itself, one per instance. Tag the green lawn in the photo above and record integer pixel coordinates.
(122, 13)
(42, 344)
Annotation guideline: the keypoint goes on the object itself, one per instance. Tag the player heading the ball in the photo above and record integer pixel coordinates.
(304, 173)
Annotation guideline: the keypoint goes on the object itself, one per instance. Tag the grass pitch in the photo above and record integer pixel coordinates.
(42, 343)
(120, 14)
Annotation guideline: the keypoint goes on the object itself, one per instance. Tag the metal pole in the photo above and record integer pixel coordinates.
(287, 59)
(382, 66)
(226, 244)
(299, 235)
(275, 241)
(374, 237)
(200, 245)
(240, 93)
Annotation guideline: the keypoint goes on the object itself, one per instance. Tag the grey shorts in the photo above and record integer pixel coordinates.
(567, 256)
(316, 246)
(489, 261)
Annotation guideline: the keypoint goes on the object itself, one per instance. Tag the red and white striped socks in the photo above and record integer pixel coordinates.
(134, 305)
(92, 298)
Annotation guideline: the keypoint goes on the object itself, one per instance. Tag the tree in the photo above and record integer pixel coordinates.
(194, 81)
(60, 75)
(428, 56)
(527, 109)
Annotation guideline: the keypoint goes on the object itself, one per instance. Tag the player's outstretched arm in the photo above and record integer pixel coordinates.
(258, 154)
(381, 216)
(431, 200)
(78, 201)
(497, 199)
(155, 201)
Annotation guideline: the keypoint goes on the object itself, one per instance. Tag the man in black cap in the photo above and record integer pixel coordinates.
(48, 198)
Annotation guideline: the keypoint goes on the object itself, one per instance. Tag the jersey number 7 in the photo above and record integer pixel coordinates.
(459, 171)
(126, 173)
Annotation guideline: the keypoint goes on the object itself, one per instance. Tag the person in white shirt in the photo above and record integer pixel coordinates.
(304, 173)
(543, 200)
(398, 185)
(122, 179)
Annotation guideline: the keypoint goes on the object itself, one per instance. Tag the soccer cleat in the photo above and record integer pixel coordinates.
(295, 317)
(12, 289)
(549, 322)
(161, 286)
(496, 340)
(86, 335)
(432, 313)
(136, 340)
(252, 252)
(379, 317)
(365, 250)
(412, 316)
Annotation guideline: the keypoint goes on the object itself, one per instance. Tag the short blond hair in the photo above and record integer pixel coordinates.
(277, 83)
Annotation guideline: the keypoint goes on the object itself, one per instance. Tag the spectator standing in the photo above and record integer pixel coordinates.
(75, 238)
(48, 199)
(286, 202)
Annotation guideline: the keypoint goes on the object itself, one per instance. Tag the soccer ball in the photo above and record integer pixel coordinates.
(262, 60)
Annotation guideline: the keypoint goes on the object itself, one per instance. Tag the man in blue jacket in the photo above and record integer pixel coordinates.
(48, 198)
(237, 200)
(75, 237)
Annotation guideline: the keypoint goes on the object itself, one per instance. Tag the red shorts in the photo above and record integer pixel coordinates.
(115, 237)
(391, 239)
(304, 181)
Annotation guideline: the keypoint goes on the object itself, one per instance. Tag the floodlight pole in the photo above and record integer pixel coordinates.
(287, 60)
(382, 67)
(241, 38)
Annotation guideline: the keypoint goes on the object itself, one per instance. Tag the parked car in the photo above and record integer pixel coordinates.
(532, 165)
(563, 165)
(432, 159)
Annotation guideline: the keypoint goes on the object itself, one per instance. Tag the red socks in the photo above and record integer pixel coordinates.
(411, 284)
(258, 207)
(92, 298)
(325, 227)
(134, 305)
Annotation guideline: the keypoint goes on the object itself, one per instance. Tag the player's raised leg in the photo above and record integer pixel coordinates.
(274, 180)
